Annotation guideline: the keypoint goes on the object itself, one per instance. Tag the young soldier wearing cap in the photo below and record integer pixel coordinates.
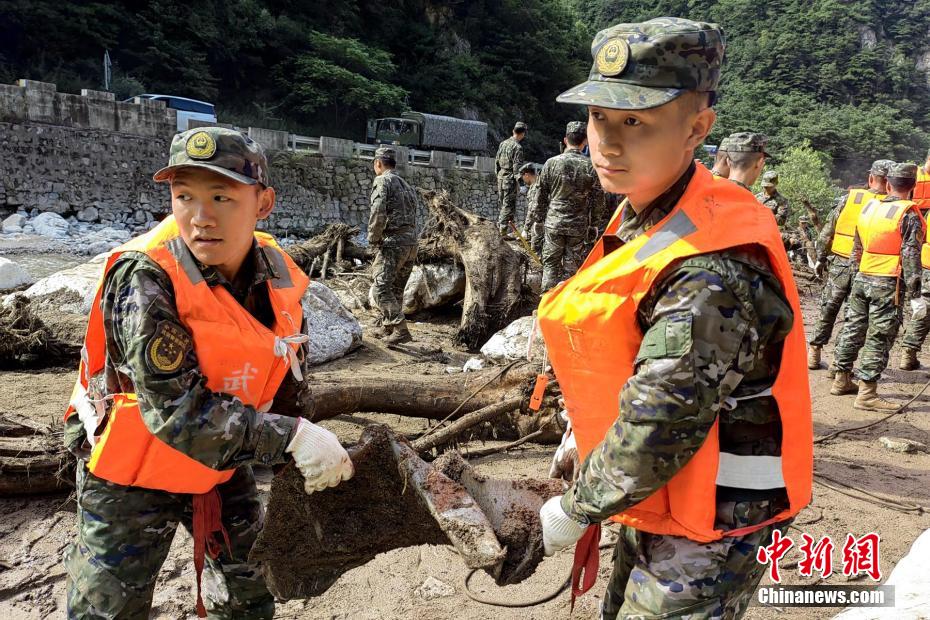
(678, 345)
(568, 200)
(533, 231)
(834, 247)
(392, 229)
(886, 257)
(746, 155)
(507, 163)
(194, 338)
(772, 199)
(721, 167)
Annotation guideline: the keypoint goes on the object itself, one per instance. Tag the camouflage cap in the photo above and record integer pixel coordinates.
(639, 66)
(724, 144)
(747, 142)
(880, 167)
(770, 179)
(530, 168)
(224, 151)
(904, 170)
(519, 125)
(385, 152)
(576, 127)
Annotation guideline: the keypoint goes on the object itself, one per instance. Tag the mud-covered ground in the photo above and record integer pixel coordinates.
(34, 532)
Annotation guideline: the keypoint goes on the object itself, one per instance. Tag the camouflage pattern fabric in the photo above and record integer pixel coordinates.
(569, 197)
(913, 235)
(125, 533)
(507, 200)
(916, 331)
(533, 231)
(648, 64)
(747, 142)
(562, 255)
(873, 317)
(224, 151)
(391, 270)
(835, 291)
(393, 219)
(825, 237)
(777, 204)
(686, 579)
(507, 163)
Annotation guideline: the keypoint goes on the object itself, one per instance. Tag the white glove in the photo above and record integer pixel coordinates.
(565, 460)
(319, 456)
(918, 308)
(559, 529)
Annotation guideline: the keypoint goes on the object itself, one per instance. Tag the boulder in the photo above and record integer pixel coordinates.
(88, 214)
(13, 224)
(510, 343)
(12, 275)
(333, 330)
(72, 289)
(103, 240)
(432, 588)
(899, 444)
(433, 285)
(50, 224)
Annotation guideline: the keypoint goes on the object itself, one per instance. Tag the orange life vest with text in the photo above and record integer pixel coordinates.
(846, 223)
(879, 229)
(237, 354)
(592, 336)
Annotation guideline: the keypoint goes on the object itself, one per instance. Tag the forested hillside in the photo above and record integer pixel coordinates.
(849, 76)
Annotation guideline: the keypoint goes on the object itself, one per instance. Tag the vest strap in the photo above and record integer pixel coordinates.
(750, 472)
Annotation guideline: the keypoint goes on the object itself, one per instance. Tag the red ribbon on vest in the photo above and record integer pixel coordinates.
(208, 512)
(587, 560)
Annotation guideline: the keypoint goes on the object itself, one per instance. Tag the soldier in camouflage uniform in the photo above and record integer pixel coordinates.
(124, 532)
(532, 231)
(771, 198)
(507, 164)
(392, 229)
(834, 270)
(568, 201)
(915, 334)
(874, 308)
(721, 167)
(700, 346)
(746, 155)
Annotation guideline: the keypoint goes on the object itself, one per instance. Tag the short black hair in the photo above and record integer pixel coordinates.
(520, 131)
(902, 184)
(390, 162)
(576, 138)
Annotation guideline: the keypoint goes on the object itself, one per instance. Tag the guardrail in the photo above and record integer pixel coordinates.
(307, 144)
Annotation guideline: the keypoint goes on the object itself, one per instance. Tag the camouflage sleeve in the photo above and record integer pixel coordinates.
(698, 344)
(914, 235)
(599, 207)
(517, 161)
(825, 238)
(781, 213)
(540, 205)
(377, 221)
(855, 257)
(213, 428)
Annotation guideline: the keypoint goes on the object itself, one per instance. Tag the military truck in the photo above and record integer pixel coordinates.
(430, 131)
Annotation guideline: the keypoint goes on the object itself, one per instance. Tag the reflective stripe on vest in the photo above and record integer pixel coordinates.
(879, 229)
(237, 355)
(592, 335)
(921, 195)
(846, 222)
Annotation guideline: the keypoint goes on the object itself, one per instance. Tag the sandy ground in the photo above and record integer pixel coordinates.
(34, 532)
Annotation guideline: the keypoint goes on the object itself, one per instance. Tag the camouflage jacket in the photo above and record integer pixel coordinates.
(913, 235)
(393, 219)
(825, 238)
(531, 193)
(777, 204)
(569, 198)
(509, 159)
(216, 429)
(721, 319)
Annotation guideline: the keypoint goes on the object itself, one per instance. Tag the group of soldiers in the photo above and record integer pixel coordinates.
(873, 254)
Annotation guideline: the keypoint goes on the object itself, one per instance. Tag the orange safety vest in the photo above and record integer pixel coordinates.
(921, 195)
(879, 229)
(237, 355)
(846, 222)
(592, 336)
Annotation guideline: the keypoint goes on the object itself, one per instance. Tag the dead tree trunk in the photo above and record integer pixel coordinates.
(333, 244)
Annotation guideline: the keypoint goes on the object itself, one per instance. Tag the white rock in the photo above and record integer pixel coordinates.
(81, 279)
(50, 224)
(433, 588)
(333, 330)
(12, 275)
(911, 581)
(89, 214)
(13, 224)
(899, 444)
(432, 286)
(510, 343)
(472, 364)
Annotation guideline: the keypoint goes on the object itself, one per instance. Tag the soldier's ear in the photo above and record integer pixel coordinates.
(701, 124)
(266, 201)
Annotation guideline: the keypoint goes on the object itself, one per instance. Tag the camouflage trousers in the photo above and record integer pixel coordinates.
(392, 269)
(673, 577)
(916, 331)
(834, 293)
(873, 317)
(123, 537)
(507, 200)
(562, 255)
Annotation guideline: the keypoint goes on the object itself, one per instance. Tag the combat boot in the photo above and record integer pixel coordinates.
(813, 356)
(400, 335)
(383, 331)
(909, 359)
(842, 384)
(869, 399)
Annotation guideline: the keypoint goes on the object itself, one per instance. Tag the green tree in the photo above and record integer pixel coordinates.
(803, 176)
